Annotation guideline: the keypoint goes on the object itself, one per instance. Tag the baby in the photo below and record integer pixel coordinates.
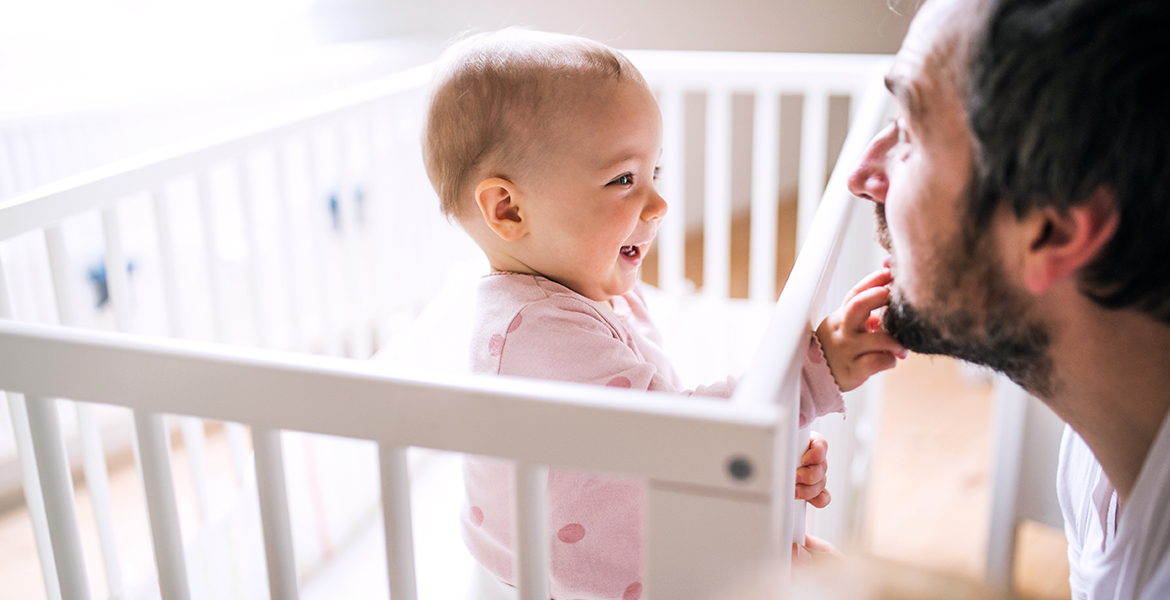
(545, 149)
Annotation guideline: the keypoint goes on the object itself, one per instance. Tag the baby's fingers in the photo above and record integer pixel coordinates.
(878, 278)
(858, 308)
(818, 450)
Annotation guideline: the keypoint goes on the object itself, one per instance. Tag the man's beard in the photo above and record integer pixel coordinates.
(980, 317)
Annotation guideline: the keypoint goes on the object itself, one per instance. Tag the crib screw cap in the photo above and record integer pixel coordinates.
(740, 468)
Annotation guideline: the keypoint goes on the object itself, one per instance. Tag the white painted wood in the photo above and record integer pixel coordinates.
(285, 236)
(93, 453)
(98, 482)
(814, 131)
(195, 443)
(211, 254)
(396, 520)
(1010, 408)
(1026, 442)
(152, 435)
(60, 508)
(717, 196)
(102, 186)
(357, 329)
(192, 429)
(274, 515)
(672, 230)
(259, 300)
(33, 495)
(701, 545)
(62, 282)
(689, 442)
(167, 265)
(530, 532)
(319, 231)
(154, 453)
(765, 195)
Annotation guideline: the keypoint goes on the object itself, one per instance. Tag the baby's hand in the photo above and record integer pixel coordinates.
(854, 343)
(810, 476)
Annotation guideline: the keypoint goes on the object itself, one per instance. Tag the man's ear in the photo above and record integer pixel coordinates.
(1063, 242)
(497, 201)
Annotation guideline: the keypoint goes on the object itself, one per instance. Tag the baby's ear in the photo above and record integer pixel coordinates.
(496, 199)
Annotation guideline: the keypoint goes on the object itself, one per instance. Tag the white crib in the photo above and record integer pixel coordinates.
(250, 273)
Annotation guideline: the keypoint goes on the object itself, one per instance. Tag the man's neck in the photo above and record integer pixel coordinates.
(1112, 385)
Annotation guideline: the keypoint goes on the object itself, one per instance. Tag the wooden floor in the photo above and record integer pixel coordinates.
(928, 501)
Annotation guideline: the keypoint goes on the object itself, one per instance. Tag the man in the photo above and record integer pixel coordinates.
(1023, 192)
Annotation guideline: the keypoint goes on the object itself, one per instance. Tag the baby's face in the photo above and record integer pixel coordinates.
(593, 209)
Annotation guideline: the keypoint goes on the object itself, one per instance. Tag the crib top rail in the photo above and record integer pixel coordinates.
(688, 443)
(749, 71)
(105, 185)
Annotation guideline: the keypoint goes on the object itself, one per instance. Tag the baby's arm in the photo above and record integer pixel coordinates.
(854, 343)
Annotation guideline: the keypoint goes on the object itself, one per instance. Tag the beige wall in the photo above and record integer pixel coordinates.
(865, 26)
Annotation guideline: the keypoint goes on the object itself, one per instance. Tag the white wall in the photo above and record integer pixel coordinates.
(863, 26)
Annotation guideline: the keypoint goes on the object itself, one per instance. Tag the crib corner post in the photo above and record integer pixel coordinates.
(726, 537)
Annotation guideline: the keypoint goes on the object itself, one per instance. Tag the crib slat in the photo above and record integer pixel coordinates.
(211, 255)
(33, 496)
(318, 231)
(98, 481)
(255, 277)
(717, 196)
(274, 514)
(154, 454)
(166, 255)
(396, 520)
(235, 432)
(192, 428)
(8, 184)
(357, 328)
(195, 442)
(153, 441)
(285, 235)
(531, 531)
(814, 131)
(60, 507)
(765, 195)
(94, 464)
(672, 231)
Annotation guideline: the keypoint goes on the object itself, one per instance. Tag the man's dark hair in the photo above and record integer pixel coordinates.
(1068, 97)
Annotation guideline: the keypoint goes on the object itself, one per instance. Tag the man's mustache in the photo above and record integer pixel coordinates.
(882, 229)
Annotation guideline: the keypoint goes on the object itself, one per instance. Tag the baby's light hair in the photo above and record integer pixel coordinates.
(495, 96)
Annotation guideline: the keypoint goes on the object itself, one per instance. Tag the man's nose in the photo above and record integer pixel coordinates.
(655, 207)
(869, 179)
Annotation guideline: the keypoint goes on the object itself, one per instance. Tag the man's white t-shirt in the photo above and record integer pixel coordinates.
(1116, 553)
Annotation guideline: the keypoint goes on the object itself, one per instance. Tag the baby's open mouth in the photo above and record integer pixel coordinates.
(631, 251)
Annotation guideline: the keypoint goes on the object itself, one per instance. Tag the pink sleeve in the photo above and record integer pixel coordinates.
(819, 394)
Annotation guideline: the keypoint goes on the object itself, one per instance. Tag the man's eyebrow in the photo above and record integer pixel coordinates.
(907, 94)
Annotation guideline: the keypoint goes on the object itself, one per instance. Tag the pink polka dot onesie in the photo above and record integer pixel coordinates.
(529, 326)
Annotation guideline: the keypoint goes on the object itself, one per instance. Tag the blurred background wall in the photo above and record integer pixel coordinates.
(863, 26)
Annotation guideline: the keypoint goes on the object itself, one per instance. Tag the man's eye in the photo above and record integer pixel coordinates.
(627, 179)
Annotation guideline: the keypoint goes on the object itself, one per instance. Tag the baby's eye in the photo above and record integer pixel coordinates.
(657, 171)
(627, 179)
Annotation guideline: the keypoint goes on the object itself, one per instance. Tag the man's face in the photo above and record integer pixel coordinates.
(950, 293)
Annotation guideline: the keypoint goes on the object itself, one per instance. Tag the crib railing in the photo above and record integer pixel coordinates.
(359, 150)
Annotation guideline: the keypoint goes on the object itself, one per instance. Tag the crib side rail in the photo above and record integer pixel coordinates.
(684, 449)
(104, 185)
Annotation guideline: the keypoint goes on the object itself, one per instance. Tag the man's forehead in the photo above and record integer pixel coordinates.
(928, 65)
